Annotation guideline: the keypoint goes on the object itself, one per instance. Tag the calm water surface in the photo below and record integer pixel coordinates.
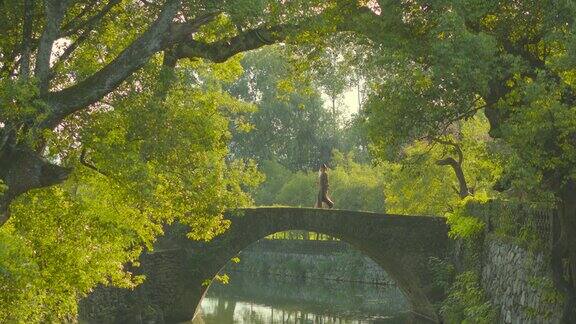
(253, 299)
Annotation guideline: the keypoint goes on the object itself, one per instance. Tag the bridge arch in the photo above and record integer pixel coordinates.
(178, 271)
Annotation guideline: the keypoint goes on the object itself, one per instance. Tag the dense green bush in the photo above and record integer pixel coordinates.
(353, 186)
(464, 224)
(467, 302)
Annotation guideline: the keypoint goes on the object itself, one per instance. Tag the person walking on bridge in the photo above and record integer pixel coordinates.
(323, 192)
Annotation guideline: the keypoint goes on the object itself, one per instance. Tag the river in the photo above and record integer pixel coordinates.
(250, 299)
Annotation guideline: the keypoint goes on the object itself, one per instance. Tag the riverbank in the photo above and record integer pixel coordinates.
(330, 260)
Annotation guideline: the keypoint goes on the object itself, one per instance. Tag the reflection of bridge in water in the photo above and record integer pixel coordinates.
(176, 275)
(250, 298)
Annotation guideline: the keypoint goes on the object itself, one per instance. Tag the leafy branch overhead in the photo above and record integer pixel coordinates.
(119, 116)
(88, 53)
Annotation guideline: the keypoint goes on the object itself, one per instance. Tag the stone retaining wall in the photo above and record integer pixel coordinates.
(519, 283)
(343, 266)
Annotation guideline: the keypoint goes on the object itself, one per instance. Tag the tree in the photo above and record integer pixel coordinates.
(142, 164)
(416, 184)
(107, 132)
(276, 176)
(105, 45)
(333, 76)
(443, 60)
(290, 125)
(353, 186)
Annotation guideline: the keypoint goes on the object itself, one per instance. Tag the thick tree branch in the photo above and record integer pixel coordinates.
(457, 167)
(220, 51)
(54, 10)
(177, 30)
(22, 170)
(447, 161)
(163, 34)
(456, 147)
(182, 32)
(87, 92)
(26, 40)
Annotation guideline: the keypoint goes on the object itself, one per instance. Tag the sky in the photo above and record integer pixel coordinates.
(348, 104)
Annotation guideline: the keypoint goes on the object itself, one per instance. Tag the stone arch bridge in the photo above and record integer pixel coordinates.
(178, 270)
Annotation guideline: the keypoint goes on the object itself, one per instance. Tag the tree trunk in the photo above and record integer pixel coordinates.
(21, 170)
(54, 13)
(359, 97)
(463, 190)
(26, 39)
(463, 186)
(334, 106)
(565, 250)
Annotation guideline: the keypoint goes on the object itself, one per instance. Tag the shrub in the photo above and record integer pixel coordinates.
(467, 302)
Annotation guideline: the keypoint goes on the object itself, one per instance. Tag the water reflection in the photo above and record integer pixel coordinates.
(256, 299)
